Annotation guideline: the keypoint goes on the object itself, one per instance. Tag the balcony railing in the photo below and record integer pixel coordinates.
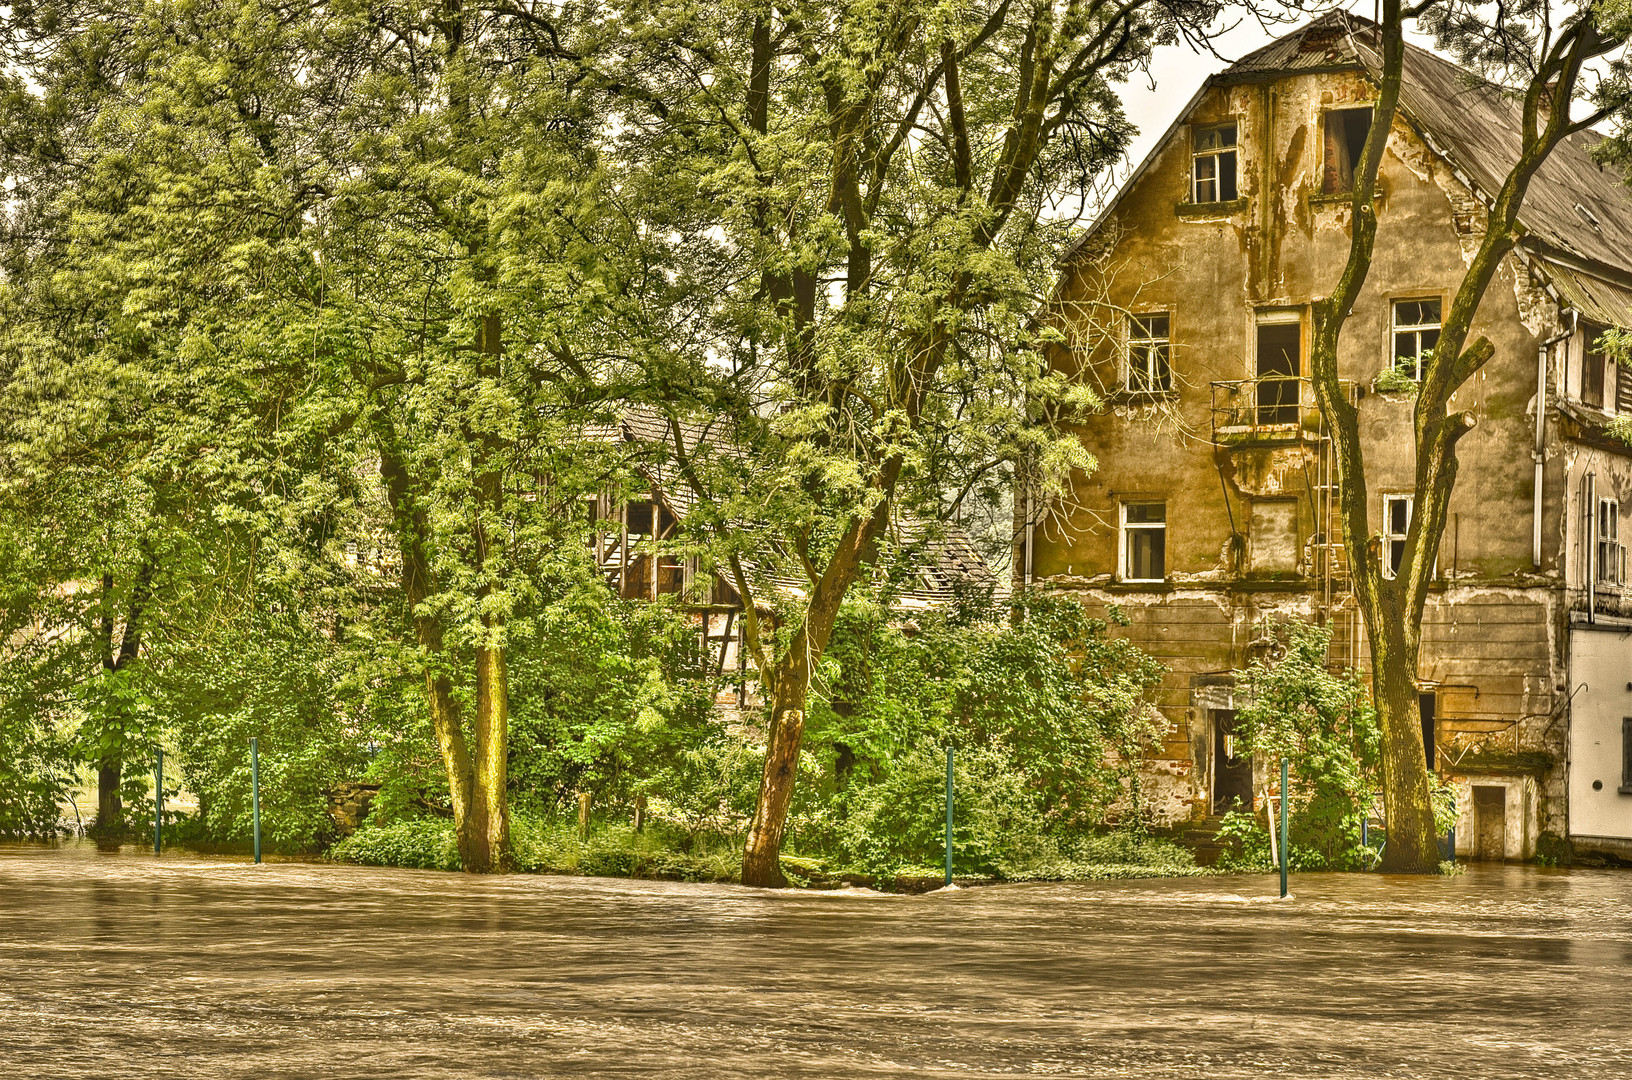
(1268, 405)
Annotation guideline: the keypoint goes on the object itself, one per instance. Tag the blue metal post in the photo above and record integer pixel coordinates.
(949, 813)
(1286, 811)
(255, 791)
(158, 802)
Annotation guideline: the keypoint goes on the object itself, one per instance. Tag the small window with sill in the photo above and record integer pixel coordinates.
(1213, 167)
(1611, 554)
(1150, 354)
(1144, 541)
(1345, 140)
(1416, 332)
(1396, 525)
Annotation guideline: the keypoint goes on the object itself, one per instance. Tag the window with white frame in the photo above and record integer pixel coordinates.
(1150, 353)
(1144, 541)
(1416, 332)
(1396, 524)
(1611, 552)
(1213, 170)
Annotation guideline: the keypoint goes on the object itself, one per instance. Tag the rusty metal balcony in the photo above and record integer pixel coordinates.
(1272, 408)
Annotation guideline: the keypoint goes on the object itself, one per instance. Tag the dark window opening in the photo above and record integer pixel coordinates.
(1346, 131)
(1213, 176)
(1626, 755)
(1279, 366)
(1592, 380)
(1426, 706)
(1396, 526)
(639, 517)
(1416, 332)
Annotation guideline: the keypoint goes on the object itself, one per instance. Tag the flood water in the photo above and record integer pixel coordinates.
(130, 966)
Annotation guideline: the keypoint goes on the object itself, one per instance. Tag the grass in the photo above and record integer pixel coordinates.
(655, 854)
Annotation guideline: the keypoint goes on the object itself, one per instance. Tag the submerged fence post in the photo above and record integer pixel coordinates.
(158, 802)
(255, 791)
(949, 813)
(1285, 813)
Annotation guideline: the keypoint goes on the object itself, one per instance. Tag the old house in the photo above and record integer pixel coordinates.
(1212, 510)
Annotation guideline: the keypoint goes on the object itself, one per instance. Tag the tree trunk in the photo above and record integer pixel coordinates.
(762, 855)
(1413, 842)
(412, 529)
(490, 810)
(789, 688)
(110, 808)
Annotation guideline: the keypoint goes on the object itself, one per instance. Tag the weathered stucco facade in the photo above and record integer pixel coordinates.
(1189, 305)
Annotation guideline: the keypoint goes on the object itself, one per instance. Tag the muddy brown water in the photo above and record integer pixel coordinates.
(130, 966)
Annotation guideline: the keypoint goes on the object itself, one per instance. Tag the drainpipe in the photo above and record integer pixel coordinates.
(1541, 431)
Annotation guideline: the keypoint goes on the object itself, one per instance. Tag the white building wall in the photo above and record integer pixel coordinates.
(1600, 668)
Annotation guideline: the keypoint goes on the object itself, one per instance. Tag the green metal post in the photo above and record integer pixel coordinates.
(1286, 811)
(158, 802)
(949, 813)
(255, 790)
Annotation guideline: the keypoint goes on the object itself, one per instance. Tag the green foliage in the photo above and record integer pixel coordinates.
(1394, 380)
(1297, 708)
(427, 844)
(545, 848)
(275, 679)
(1047, 712)
(615, 698)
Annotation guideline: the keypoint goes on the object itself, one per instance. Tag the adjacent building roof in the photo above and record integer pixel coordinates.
(947, 562)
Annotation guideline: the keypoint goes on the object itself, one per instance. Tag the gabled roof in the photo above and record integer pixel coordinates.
(1473, 124)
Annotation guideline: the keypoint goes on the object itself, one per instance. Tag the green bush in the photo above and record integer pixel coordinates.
(427, 844)
(1048, 713)
(1297, 708)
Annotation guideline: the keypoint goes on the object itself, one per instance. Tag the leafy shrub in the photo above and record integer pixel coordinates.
(427, 844)
(1049, 716)
(1325, 724)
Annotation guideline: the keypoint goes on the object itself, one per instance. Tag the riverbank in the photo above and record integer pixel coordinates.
(623, 852)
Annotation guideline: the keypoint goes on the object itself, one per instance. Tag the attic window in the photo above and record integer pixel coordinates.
(1345, 141)
(1214, 167)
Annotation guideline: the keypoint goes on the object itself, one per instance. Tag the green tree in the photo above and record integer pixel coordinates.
(1544, 55)
(865, 193)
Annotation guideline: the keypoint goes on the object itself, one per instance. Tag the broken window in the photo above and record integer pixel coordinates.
(1416, 332)
(1346, 131)
(1611, 553)
(1150, 355)
(1214, 170)
(1280, 367)
(1144, 541)
(1396, 524)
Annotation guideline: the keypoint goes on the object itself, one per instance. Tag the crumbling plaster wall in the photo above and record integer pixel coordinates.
(1283, 245)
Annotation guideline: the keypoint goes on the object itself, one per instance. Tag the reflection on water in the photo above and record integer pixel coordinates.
(126, 965)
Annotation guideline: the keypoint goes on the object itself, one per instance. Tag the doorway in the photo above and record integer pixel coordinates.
(1232, 771)
(1490, 823)
(1280, 364)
